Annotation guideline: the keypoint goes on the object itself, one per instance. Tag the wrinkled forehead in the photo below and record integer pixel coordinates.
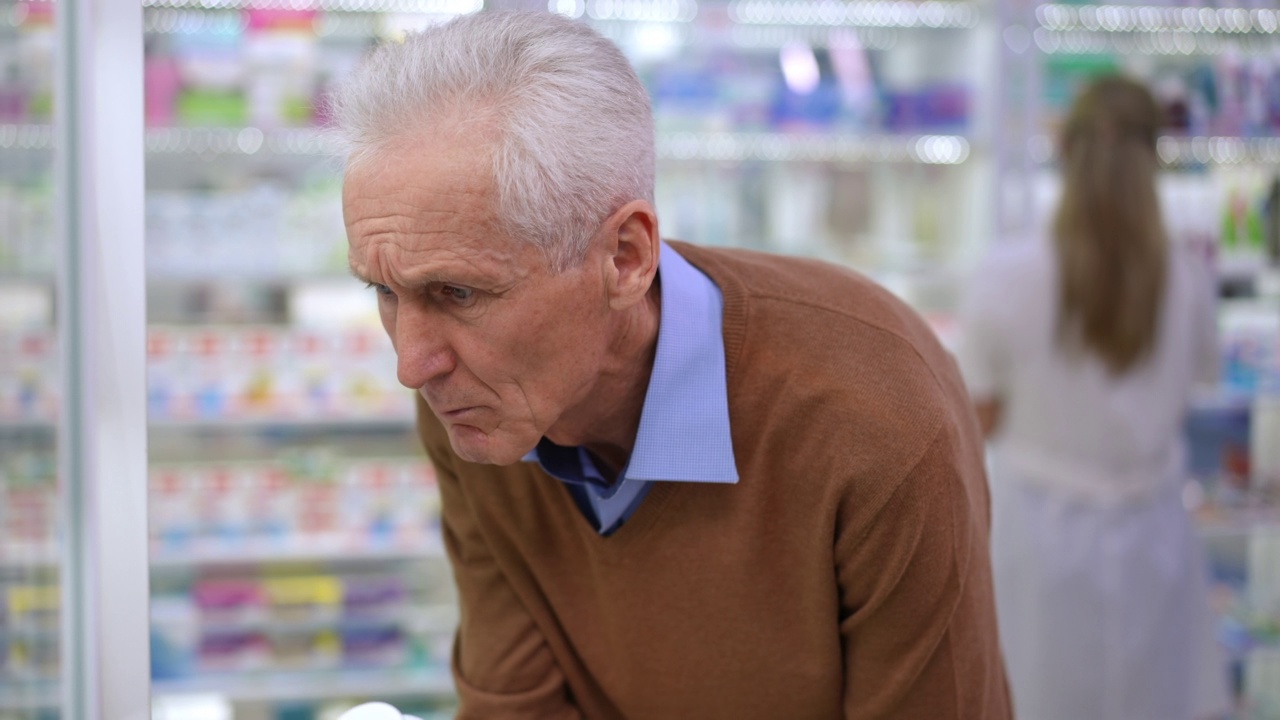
(429, 177)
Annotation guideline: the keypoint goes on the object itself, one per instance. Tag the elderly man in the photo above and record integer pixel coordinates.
(677, 482)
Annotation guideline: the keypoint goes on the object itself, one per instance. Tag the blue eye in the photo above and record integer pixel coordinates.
(382, 290)
(460, 295)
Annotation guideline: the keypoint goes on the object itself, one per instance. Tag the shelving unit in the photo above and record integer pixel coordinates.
(700, 146)
(359, 423)
(421, 7)
(1143, 18)
(932, 15)
(821, 148)
(26, 137)
(307, 555)
(41, 697)
(1183, 152)
(1199, 151)
(45, 556)
(314, 686)
(270, 688)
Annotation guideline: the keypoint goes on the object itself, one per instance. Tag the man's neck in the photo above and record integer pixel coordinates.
(611, 414)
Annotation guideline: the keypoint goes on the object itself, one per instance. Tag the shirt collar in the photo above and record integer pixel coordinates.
(684, 432)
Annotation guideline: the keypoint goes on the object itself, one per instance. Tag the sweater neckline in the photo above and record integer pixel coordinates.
(632, 532)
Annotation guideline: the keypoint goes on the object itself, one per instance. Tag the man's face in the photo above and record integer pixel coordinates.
(499, 346)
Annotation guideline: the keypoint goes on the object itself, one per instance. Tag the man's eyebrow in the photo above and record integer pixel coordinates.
(358, 275)
(427, 279)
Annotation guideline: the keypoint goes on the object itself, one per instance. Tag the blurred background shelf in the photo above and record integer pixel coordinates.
(423, 7)
(389, 684)
(18, 697)
(396, 423)
(833, 13)
(1219, 150)
(801, 147)
(1238, 522)
(1166, 43)
(358, 423)
(419, 619)
(317, 553)
(672, 145)
(269, 686)
(1183, 151)
(26, 136)
(321, 552)
(1150, 18)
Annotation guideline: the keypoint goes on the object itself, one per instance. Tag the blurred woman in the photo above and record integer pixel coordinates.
(1081, 353)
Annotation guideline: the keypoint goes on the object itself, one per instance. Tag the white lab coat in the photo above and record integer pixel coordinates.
(1101, 582)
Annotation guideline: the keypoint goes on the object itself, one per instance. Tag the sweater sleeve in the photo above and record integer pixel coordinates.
(916, 603)
(502, 667)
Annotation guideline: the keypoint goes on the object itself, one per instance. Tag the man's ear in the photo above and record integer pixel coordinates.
(631, 245)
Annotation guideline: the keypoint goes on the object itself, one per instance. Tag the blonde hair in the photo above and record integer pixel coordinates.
(1109, 239)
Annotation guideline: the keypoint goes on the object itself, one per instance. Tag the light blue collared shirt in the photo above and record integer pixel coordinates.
(684, 425)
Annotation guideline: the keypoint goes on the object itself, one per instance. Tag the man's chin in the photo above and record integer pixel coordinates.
(475, 446)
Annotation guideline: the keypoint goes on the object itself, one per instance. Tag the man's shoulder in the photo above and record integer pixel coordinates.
(832, 370)
(815, 292)
(820, 315)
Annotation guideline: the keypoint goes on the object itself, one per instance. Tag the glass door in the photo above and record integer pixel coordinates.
(73, 642)
(30, 387)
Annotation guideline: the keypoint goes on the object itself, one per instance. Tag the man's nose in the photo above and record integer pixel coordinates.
(423, 353)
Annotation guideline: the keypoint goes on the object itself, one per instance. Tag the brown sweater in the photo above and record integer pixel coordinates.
(846, 575)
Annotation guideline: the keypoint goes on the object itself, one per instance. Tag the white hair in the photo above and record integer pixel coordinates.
(574, 126)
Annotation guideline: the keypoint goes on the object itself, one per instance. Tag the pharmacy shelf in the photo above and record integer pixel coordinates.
(1220, 399)
(1186, 151)
(268, 686)
(1163, 42)
(187, 21)
(28, 632)
(308, 142)
(34, 697)
(419, 620)
(47, 557)
(1140, 18)
(26, 427)
(417, 7)
(373, 424)
(26, 137)
(240, 141)
(1220, 522)
(1149, 30)
(825, 148)
(860, 13)
(173, 560)
(698, 146)
(1237, 268)
(28, 557)
(11, 276)
(930, 14)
